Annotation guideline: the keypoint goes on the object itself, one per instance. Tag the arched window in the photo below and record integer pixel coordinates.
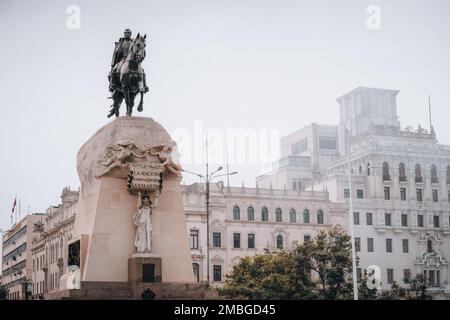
(320, 216)
(264, 214)
(196, 268)
(429, 245)
(236, 213)
(434, 176)
(306, 216)
(360, 170)
(418, 173)
(448, 174)
(278, 215)
(279, 241)
(250, 214)
(386, 176)
(401, 172)
(368, 168)
(292, 216)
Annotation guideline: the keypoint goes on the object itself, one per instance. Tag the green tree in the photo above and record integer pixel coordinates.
(319, 268)
(364, 292)
(396, 292)
(329, 257)
(418, 288)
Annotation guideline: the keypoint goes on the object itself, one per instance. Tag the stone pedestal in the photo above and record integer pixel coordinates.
(106, 209)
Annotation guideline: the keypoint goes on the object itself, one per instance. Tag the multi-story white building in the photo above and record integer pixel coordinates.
(246, 221)
(400, 181)
(16, 256)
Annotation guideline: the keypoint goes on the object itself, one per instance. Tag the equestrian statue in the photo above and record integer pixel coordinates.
(127, 77)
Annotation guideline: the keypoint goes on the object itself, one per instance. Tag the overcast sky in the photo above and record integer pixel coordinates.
(228, 64)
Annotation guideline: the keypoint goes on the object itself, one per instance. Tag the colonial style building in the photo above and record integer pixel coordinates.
(50, 246)
(400, 184)
(246, 221)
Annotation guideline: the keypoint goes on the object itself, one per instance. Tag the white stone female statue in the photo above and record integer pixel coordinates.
(142, 220)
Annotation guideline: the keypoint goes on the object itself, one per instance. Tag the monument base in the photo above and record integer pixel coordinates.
(101, 290)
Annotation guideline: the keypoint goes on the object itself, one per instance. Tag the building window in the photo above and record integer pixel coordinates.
(196, 268)
(390, 276)
(306, 238)
(404, 220)
(406, 275)
(357, 244)
(448, 174)
(435, 195)
(292, 216)
(359, 194)
(419, 194)
(418, 173)
(250, 214)
(236, 240)
(355, 217)
(420, 220)
(299, 147)
(251, 241)
(386, 176)
(388, 245)
(368, 169)
(403, 194)
(401, 172)
(387, 194)
(194, 239)
(429, 245)
(434, 176)
(405, 245)
(279, 241)
(217, 273)
(448, 195)
(264, 214)
(236, 213)
(327, 142)
(346, 193)
(387, 219)
(436, 221)
(217, 239)
(306, 216)
(369, 244)
(278, 215)
(369, 221)
(320, 216)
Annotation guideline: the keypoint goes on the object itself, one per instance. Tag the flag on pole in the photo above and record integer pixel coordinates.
(13, 208)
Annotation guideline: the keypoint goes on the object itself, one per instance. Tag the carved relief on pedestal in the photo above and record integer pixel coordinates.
(144, 169)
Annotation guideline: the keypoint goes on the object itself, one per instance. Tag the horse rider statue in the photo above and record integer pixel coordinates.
(119, 55)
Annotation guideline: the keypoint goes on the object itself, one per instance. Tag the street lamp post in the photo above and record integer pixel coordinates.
(207, 179)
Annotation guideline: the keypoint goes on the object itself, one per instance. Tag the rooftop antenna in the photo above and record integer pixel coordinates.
(228, 171)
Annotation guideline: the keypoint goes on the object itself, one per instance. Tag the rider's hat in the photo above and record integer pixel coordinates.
(127, 30)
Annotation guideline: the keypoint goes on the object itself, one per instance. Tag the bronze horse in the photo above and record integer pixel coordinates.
(131, 79)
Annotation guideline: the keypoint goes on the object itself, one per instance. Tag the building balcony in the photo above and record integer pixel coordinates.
(402, 178)
(434, 180)
(386, 177)
(419, 179)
